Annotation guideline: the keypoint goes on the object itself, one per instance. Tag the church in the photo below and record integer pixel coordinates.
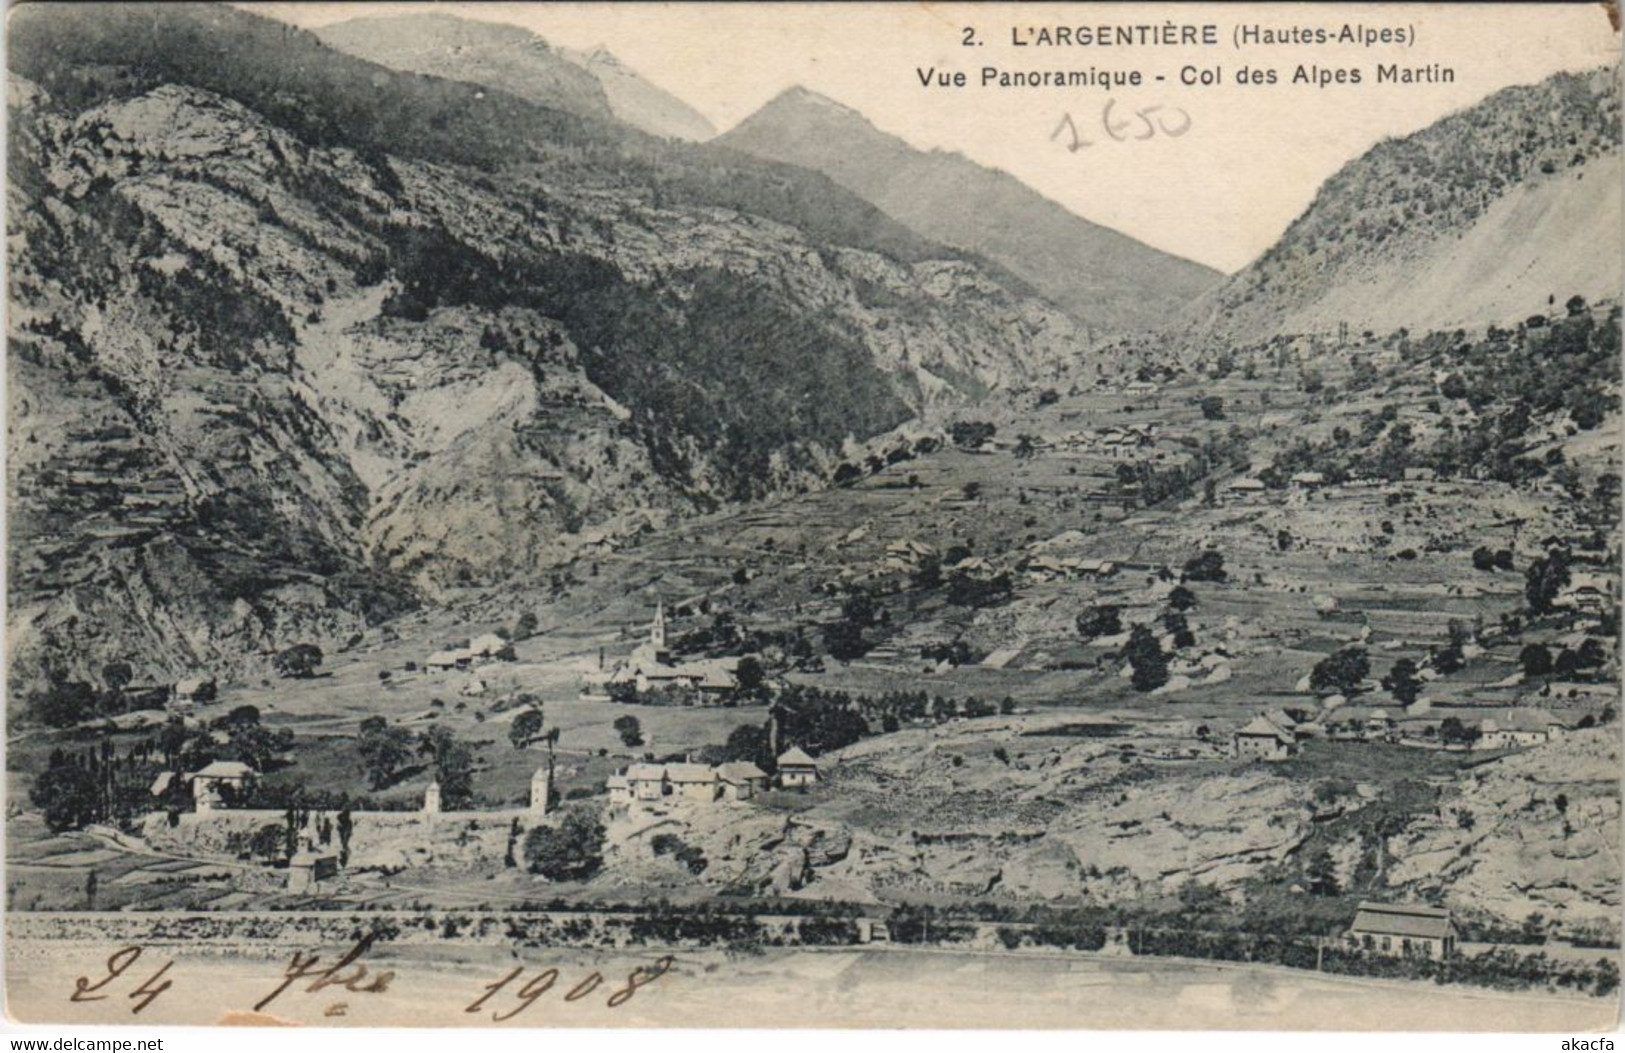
(651, 666)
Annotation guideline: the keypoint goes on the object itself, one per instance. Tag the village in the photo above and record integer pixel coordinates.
(1058, 632)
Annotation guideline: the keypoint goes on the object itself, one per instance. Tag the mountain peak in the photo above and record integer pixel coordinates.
(799, 98)
(638, 102)
(498, 55)
(1099, 276)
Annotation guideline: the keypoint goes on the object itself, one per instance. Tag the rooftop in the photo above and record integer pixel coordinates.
(1403, 919)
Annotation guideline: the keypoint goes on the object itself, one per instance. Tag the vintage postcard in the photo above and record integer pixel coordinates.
(813, 515)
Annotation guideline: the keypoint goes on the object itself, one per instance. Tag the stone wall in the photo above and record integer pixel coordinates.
(377, 839)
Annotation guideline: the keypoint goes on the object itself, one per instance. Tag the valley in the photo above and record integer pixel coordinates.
(456, 486)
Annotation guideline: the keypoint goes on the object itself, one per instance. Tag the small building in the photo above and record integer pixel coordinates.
(442, 660)
(796, 769)
(1402, 930)
(1263, 739)
(645, 782)
(214, 783)
(1247, 485)
(1515, 728)
(195, 691)
(308, 868)
(488, 646)
(741, 780)
(692, 782)
(1309, 480)
(620, 790)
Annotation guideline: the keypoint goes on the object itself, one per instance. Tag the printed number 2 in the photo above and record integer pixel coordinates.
(970, 37)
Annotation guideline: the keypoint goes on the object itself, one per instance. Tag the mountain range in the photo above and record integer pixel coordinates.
(1484, 216)
(299, 341)
(592, 83)
(1095, 273)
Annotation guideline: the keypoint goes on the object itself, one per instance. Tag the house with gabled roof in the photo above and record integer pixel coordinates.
(1403, 930)
(796, 769)
(1263, 739)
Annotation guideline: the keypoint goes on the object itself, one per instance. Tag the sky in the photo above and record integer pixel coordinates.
(1220, 192)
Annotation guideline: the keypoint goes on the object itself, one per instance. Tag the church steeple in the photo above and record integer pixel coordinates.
(657, 632)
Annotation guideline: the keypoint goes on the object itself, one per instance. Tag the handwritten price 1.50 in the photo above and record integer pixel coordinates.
(1145, 123)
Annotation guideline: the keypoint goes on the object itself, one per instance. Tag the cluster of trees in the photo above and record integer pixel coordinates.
(300, 661)
(849, 472)
(846, 638)
(1342, 672)
(390, 753)
(61, 703)
(1510, 391)
(820, 721)
(972, 434)
(1151, 485)
(573, 850)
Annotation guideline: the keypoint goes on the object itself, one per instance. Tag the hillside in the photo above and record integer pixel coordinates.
(639, 103)
(289, 355)
(1478, 218)
(1096, 274)
(490, 53)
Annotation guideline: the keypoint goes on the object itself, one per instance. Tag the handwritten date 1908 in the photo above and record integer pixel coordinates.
(527, 993)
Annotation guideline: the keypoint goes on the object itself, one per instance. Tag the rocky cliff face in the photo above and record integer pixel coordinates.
(1476, 219)
(1540, 835)
(1108, 279)
(269, 386)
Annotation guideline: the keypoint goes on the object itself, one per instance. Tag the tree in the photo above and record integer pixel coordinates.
(1105, 620)
(845, 641)
(453, 766)
(1321, 873)
(750, 678)
(1536, 660)
(749, 742)
(970, 434)
(1181, 598)
(67, 795)
(1145, 656)
(1453, 732)
(1212, 407)
(1179, 627)
(1341, 672)
(1451, 658)
(970, 590)
(258, 746)
(1402, 681)
(116, 676)
(928, 572)
(630, 730)
(525, 626)
(1026, 447)
(269, 843)
(1208, 566)
(384, 751)
(240, 715)
(64, 703)
(571, 851)
(298, 662)
(526, 726)
(1545, 580)
(858, 608)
